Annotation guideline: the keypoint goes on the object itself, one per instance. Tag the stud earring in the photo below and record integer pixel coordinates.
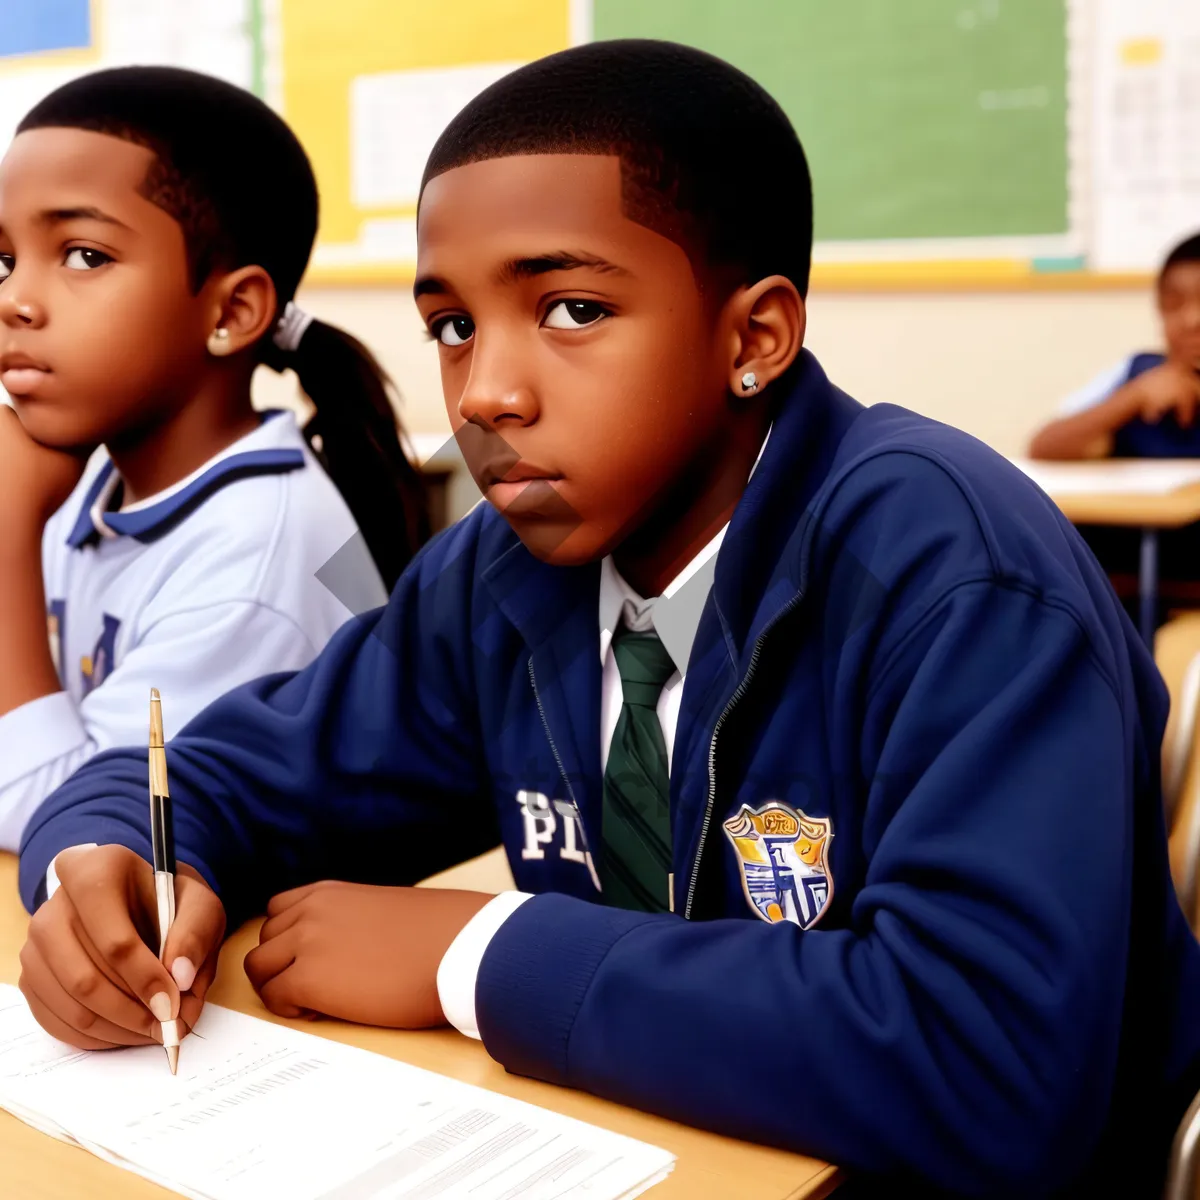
(218, 342)
(750, 383)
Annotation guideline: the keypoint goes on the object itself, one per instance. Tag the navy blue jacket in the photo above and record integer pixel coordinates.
(1160, 439)
(907, 646)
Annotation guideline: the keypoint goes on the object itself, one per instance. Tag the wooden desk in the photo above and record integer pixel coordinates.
(1170, 510)
(1149, 495)
(36, 1167)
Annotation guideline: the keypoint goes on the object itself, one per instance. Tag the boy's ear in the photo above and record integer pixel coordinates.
(244, 306)
(766, 323)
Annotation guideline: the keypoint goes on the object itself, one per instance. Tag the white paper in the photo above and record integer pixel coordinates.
(1145, 130)
(395, 119)
(261, 1110)
(1127, 477)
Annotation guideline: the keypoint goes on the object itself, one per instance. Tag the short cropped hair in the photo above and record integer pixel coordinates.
(708, 158)
(226, 167)
(1188, 251)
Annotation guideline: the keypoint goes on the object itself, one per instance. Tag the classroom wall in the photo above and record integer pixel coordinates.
(992, 364)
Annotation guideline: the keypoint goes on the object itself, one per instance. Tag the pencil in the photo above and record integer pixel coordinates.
(162, 836)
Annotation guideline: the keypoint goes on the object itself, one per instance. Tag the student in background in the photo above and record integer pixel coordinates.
(154, 226)
(824, 759)
(1146, 406)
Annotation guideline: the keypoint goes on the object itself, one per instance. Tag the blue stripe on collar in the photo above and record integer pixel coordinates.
(152, 522)
(83, 529)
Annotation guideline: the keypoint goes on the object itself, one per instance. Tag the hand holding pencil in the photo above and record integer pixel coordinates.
(89, 977)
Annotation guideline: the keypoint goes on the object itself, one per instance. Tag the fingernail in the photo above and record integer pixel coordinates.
(183, 971)
(160, 1006)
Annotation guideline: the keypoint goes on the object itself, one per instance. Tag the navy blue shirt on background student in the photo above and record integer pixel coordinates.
(1145, 406)
(1162, 439)
(1139, 438)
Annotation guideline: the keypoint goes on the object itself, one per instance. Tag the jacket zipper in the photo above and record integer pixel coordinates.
(561, 770)
(738, 693)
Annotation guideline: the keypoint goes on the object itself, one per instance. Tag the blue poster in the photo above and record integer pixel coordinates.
(44, 26)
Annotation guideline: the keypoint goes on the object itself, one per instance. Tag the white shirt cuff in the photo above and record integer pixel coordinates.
(52, 874)
(459, 968)
(37, 733)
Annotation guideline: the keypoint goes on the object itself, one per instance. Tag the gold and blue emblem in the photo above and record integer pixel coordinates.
(783, 855)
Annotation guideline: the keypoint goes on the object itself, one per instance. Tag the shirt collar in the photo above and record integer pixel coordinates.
(275, 446)
(675, 615)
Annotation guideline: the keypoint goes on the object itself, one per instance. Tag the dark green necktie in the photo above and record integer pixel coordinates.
(637, 813)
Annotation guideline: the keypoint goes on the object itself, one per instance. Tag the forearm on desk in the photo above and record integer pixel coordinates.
(1090, 433)
(26, 668)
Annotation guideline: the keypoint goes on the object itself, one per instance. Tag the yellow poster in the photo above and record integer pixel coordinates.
(368, 85)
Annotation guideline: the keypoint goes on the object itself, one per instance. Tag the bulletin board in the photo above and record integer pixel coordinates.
(904, 110)
(45, 43)
(953, 143)
(369, 84)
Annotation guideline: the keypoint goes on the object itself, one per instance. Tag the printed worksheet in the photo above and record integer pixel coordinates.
(261, 1110)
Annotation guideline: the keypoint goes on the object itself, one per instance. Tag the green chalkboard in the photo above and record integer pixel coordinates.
(920, 118)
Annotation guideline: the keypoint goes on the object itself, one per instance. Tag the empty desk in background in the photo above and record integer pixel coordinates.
(33, 1166)
(1145, 494)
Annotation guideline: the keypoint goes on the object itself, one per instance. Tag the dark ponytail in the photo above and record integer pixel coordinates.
(356, 436)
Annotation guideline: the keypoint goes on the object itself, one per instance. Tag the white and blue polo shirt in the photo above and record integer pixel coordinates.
(246, 567)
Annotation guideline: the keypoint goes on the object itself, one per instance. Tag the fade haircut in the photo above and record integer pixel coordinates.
(708, 158)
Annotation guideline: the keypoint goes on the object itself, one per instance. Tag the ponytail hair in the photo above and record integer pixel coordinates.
(235, 177)
(356, 436)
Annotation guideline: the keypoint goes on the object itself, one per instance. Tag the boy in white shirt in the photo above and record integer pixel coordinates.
(144, 268)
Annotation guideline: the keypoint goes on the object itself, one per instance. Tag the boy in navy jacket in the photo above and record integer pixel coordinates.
(825, 760)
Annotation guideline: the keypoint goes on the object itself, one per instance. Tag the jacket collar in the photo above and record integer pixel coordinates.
(759, 568)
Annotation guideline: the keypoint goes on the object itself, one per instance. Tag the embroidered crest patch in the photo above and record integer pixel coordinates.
(783, 855)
